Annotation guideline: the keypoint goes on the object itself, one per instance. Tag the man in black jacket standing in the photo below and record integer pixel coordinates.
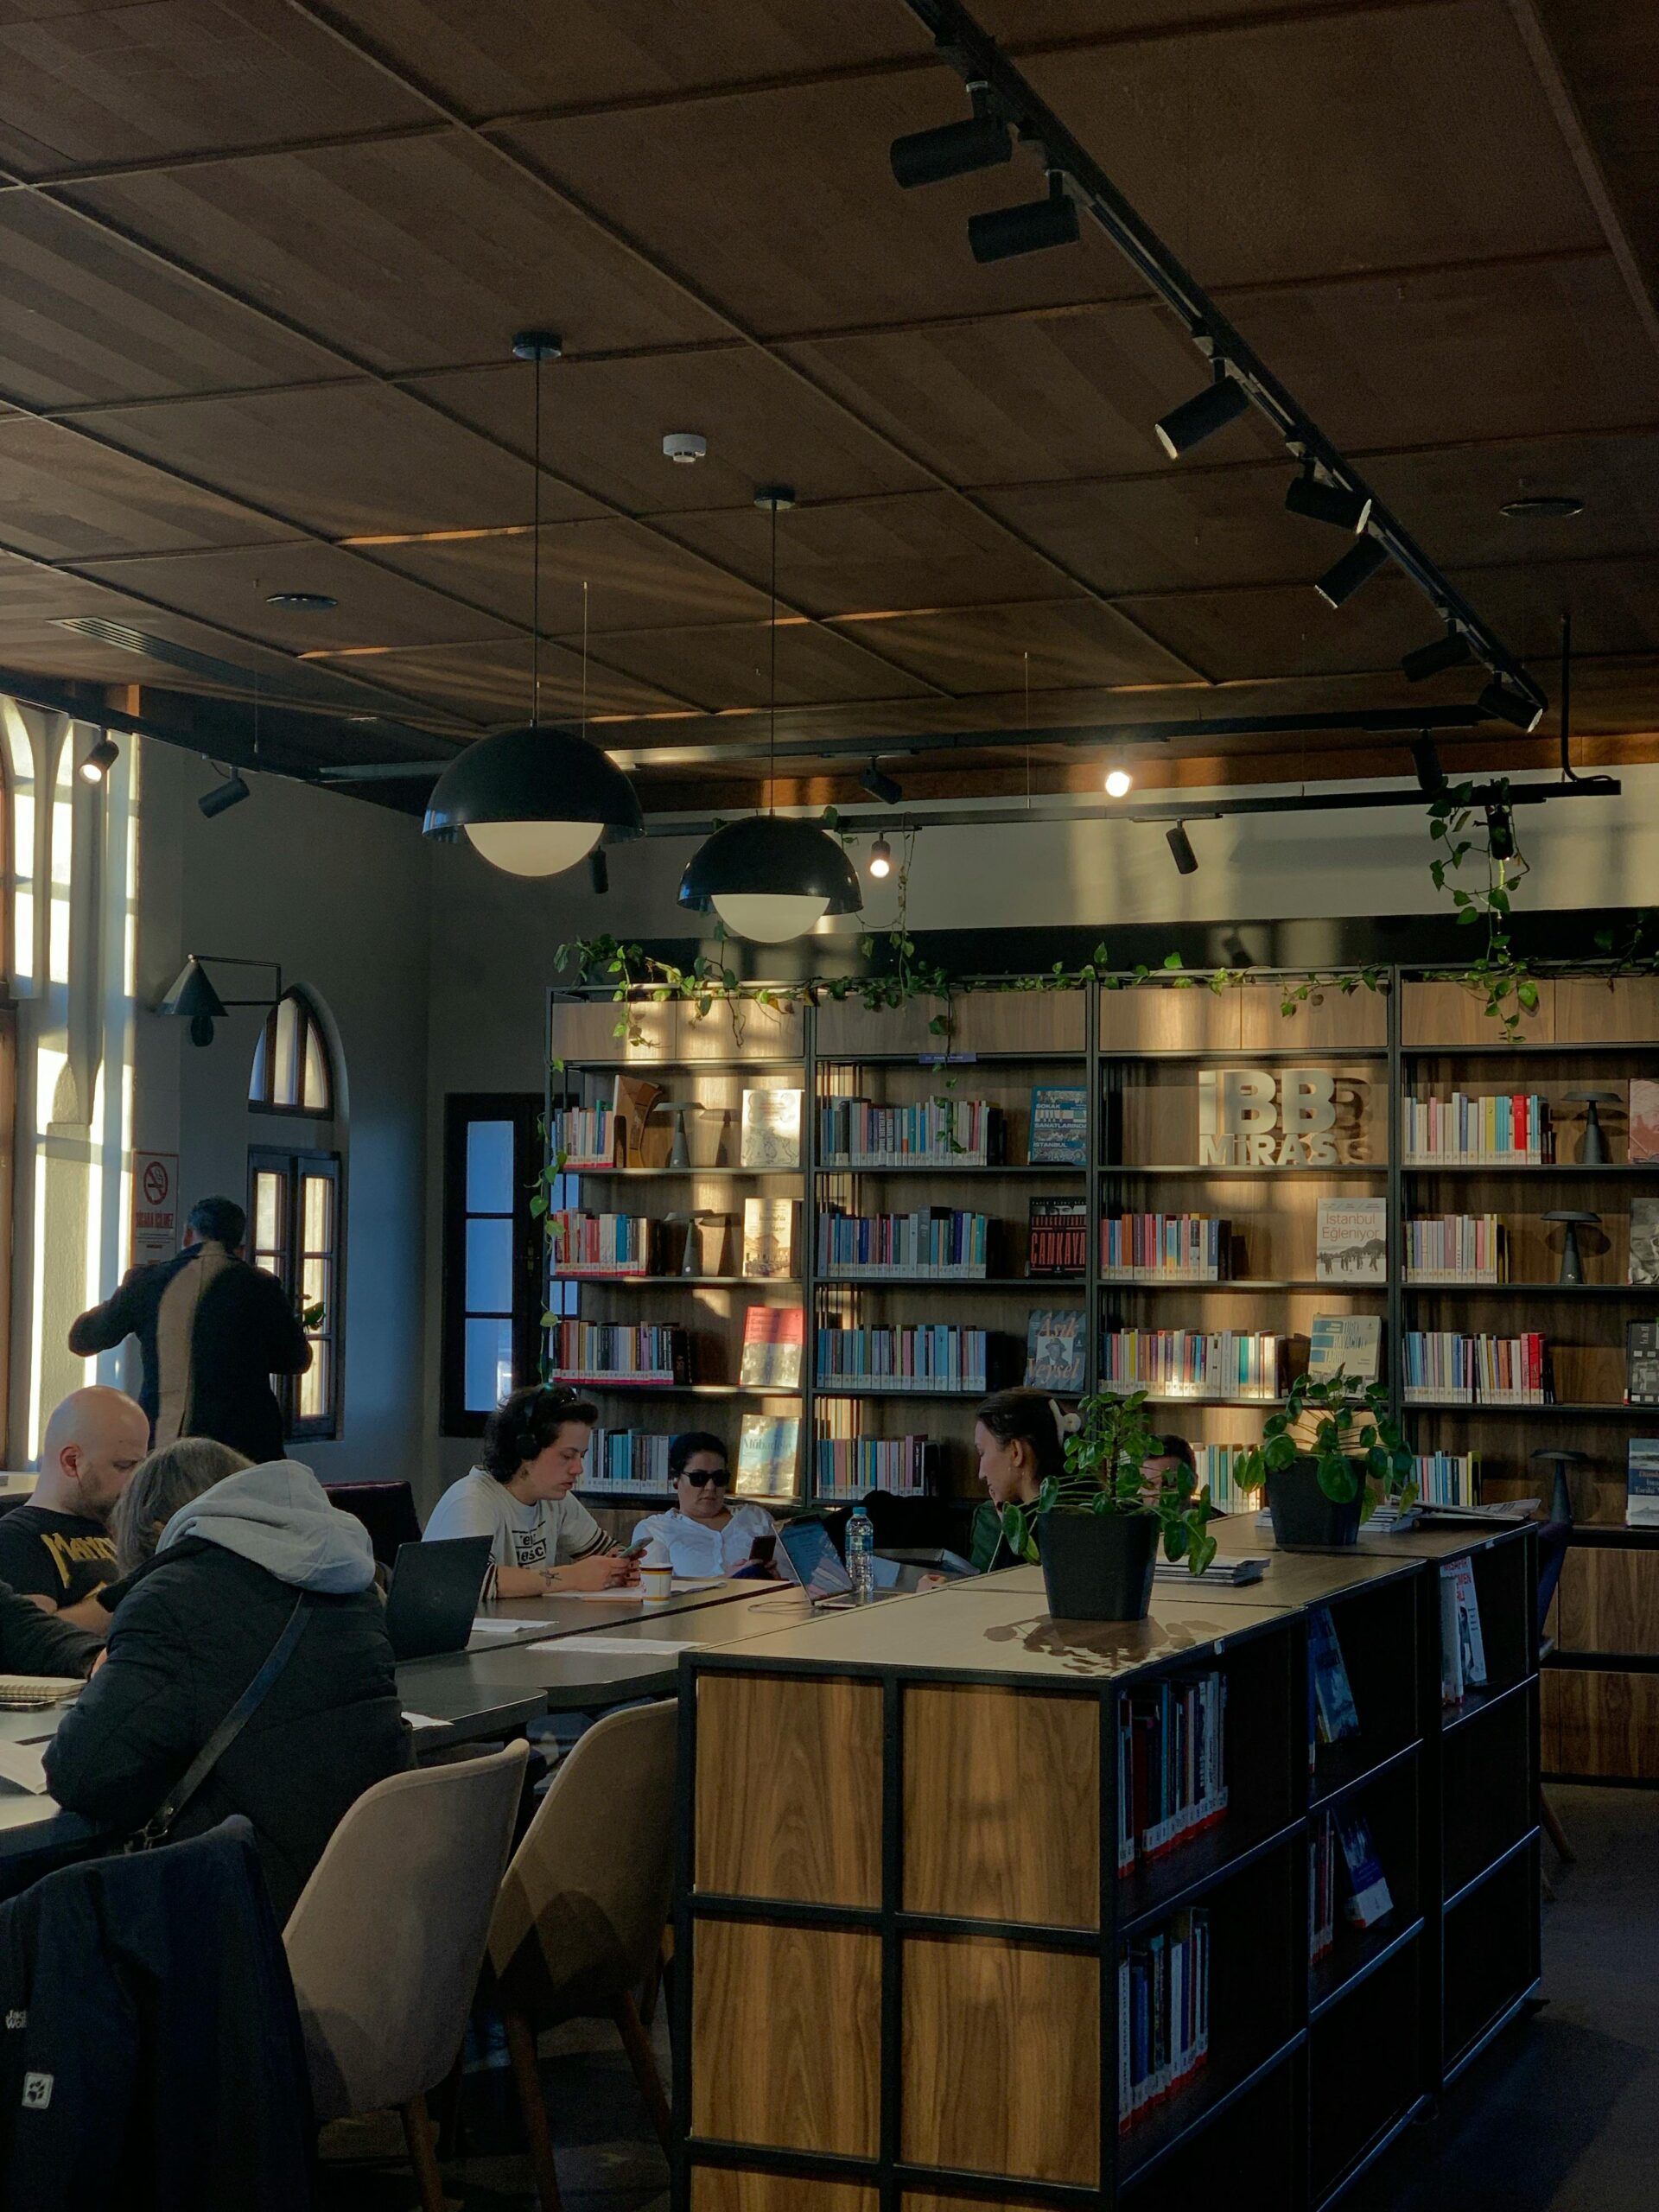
(213, 1330)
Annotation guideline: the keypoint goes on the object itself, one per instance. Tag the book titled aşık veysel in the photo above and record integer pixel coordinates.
(772, 1129)
(1054, 1350)
(1641, 1483)
(767, 1446)
(1644, 1241)
(769, 1230)
(1353, 1243)
(773, 1340)
(1060, 1125)
(1352, 1342)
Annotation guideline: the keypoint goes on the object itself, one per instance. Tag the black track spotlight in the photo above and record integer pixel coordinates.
(1450, 652)
(99, 761)
(881, 859)
(1506, 706)
(223, 796)
(980, 141)
(1028, 228)
(599, 870)
(1202, 416)
(1311, 496)
(1500, 833)
(1180, 850)
(880, 786)
(1425, 759)
(1356, 567)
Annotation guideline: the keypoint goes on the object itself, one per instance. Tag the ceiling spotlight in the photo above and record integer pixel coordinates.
(1356, 567)
(1180, 850)
(880, 858)
(1028, 228)
(1119, 783)
(686, 447)
(1450, 652)
(1543, 506)
(880, 786)
(599, 870)
(223, 796)
(99, 761)
(1425, 759)
(302, 602)
(1202, 416)
(1311, 496)
(1508, 706)
(980, 141)
(1500, 833)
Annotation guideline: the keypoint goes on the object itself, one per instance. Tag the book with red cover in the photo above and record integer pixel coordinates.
(1060, 1233)
(773, 1337)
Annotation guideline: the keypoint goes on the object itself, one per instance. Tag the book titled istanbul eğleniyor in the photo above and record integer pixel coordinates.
(1353, 1239)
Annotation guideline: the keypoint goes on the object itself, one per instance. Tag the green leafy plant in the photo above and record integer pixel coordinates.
(1105, 1473)
(1505, 981)
(1354, 1437)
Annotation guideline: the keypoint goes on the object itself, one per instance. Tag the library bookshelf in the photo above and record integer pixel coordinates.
(1140, 1055)
(899, 1941)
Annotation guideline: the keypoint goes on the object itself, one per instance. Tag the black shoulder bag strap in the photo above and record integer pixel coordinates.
(156, 1828)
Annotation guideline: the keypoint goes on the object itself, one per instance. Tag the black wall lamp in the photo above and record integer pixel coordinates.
(194, 999)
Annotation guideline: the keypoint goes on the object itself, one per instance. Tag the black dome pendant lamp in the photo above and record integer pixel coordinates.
(533, 801)
(770, 877)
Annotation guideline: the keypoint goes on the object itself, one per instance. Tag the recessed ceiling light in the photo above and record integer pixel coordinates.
(1544, 506)
(302, 602)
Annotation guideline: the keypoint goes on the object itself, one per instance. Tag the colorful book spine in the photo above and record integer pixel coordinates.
(599, 1243)
(1504, 1130)
(627, 1460)
(1187, 1364)
(1163, 2014)
(1153, 1246)
(1447, 1477)
(1214, 1465)
(849, 1466)
(586, 1136)
(939, 1357)
(601, 1353)
(858, 1248)
(1475, 1371)
(933, 1133)
(1456, 1247)
(1171, 1766)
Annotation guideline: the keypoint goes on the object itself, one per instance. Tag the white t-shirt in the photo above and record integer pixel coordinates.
(695, 1548)
(544, 1532)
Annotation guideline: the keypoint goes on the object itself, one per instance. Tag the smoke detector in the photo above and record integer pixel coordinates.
(686, 447)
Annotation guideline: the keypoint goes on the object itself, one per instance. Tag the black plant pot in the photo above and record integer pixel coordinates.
(1304, 1518)
(1098, 1566)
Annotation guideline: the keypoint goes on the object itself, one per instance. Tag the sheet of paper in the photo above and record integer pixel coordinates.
(614, 1647)
(22, 1763)
(504, 1630)
(426, 1721)
(627, 1593)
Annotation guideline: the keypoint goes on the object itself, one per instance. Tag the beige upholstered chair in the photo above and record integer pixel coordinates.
(581, 1911)
(387, 1941)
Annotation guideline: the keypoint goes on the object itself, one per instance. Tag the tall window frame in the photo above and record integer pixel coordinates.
(483, 1217)
(297, 1231)
(293, 1070)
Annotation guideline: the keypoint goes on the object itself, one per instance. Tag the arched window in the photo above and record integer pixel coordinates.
(291, 1074)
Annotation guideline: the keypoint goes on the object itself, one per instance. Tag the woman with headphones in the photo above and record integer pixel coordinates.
(520, 1495)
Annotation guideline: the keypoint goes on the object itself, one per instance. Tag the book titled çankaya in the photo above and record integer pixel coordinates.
(1059, 1236)
(1060, 1125)
(1641, 1483)
(1054, 1350)
(1353, 1244)
(767, 1447)
(773, 1340)
(769, 1235)
(772, 1129)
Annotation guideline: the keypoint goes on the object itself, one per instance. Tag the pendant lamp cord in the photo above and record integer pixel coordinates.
(772, 708)
(536, 565)
(584, 656)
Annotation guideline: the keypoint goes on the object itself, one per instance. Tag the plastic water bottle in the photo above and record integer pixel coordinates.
(861, 1545)
(657, 1573)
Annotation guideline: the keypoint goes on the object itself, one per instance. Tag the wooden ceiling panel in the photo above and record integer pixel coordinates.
(1277, 631)
(85, 317)
(725, 666)
(1609, 54)
(1019, 400)
(1347, 142)
(493, 57)
(375, 609)
(350, 459)
(604, 424)
(406, 253)
(1453, 498)
(785, 209)
(106, 84)
(491, 682)
(1614, 605)
(635, 580)
(32, 598)
(66, 498)
(875, 556)
(1065, 645)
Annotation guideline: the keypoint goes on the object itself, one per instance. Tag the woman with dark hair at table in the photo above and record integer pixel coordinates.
(705, 1533)
(1020, 1436)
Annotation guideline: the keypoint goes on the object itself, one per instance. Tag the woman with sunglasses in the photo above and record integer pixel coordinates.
(705, 1535)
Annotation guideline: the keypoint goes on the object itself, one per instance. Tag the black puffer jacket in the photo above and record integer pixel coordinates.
(185, 1643)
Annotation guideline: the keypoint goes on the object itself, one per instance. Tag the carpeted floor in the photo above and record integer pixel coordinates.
(1560, 2115)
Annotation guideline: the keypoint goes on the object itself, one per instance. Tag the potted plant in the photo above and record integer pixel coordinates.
(1319, 1457)
(1100, 1521)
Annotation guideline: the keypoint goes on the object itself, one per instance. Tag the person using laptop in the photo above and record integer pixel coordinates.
(521, 1496)
(705, 1533)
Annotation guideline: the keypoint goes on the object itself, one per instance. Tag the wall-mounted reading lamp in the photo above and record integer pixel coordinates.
(195, 999)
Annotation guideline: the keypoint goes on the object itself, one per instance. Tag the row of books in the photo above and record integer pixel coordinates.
(599, 1243)
(603, 1351)
(1513, 1127)
(1475, 1371)
(1190, 1363)
(1457, 1248)
(1163, 2014)
(847, 1466)
(933, 1241)
(935, 1357)
(1447, 1477)
(585, 1135)
(1342, 1865)
(627, 1460)
(935, 1132)
(1171, 1766)
(1148, 1247)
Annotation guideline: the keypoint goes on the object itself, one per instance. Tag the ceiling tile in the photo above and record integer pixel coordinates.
(1453, 499)
(726, 666)
(990, 649)
(405, 254)
(492, 682)
(1614, 604)
(1286, 631)
(66, 497)
(345, 460)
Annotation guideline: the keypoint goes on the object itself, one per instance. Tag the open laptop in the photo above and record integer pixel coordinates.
(433, 1599)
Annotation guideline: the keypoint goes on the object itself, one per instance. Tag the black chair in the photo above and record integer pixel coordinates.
(1552, 1539)
(387, 1510)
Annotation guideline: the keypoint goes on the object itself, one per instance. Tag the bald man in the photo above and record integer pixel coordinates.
(57, 1550)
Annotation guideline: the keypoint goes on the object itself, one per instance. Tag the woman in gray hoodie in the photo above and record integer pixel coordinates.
(192, 1630)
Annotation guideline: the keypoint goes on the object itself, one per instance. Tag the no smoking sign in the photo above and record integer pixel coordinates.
(155, 1206)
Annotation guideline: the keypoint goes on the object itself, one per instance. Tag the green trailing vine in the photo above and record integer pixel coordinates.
(1488, 840)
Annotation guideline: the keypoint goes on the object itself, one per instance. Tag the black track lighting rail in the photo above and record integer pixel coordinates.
(979, 61)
